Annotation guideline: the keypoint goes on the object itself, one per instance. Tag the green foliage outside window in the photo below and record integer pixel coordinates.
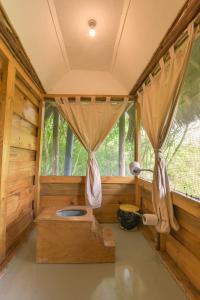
(107, 155)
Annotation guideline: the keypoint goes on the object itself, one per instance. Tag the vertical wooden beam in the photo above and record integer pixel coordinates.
(6, 102)
(137, 118)
(122, 136)
(39, 157)
(55, 150)
(137, 132)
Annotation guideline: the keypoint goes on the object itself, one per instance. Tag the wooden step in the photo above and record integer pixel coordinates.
(108, 237)
(96, 229)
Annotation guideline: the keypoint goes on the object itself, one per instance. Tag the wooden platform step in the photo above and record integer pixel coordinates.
(96, 229)
(108, 238)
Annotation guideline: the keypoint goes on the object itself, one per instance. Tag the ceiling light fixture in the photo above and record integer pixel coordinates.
(92, 31)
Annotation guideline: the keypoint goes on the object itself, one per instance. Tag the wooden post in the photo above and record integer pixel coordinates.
(121, 159)
(39, 157)
(137, 149)
(137, 132)
(55, 154)
(6, 105)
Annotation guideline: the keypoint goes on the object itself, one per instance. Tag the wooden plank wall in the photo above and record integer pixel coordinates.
(22, 162)
(60, 191)
(20, 103)
(182, 248)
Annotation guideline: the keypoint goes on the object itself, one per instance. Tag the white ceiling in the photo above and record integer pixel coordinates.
(84, 52)
(55, 36)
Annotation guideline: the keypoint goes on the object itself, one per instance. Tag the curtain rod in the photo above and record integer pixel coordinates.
(52, 97)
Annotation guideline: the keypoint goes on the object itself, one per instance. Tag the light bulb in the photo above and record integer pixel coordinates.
(92, 32)
(92, 23)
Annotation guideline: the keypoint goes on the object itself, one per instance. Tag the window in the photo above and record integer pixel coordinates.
(63, 154)
(182, 148)
(147, 156)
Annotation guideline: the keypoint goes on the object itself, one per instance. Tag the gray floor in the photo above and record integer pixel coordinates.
(138, 274)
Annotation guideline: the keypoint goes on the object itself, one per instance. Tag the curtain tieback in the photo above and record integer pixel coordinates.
(91, 155)
(158, 153)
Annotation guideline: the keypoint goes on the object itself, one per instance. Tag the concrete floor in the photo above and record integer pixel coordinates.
(138, 274)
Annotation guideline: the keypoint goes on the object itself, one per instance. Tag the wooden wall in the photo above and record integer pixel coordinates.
(181, 249)
(20, 129)
(60, 191)
(22, 161)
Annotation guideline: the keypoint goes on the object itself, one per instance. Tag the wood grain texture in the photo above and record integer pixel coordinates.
(22, 125)
(24, 89)
(25, 108)
(19, 202)
(21, 170)
(62, 190)
(21, 155)
(182, 280)
(19, 121)
(20, 183)
(22, 165)
(6, 104)
(72, 240)
(188, 240)
(39, 157)
(17, 228)
(182, 247)
(23, 136)
(81, 179)
(186, 203)
(187, 221)
(185, 260)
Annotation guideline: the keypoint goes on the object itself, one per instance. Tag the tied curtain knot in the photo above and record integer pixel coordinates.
(159, 157)
(158, 153)
(91, 155)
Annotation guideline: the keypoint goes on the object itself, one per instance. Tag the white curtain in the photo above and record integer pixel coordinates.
(91, 122)
(158, 102)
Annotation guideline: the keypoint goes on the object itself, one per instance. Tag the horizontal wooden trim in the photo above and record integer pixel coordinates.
(181, 279)
(189, 11)
(188, 240)
(147, 185)
(81, 179)
(188, 204)
(188, 221)
(185, 260)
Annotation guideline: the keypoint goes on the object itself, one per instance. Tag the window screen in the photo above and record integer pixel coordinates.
(63, 154)
(147, 156)
(182, 149)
